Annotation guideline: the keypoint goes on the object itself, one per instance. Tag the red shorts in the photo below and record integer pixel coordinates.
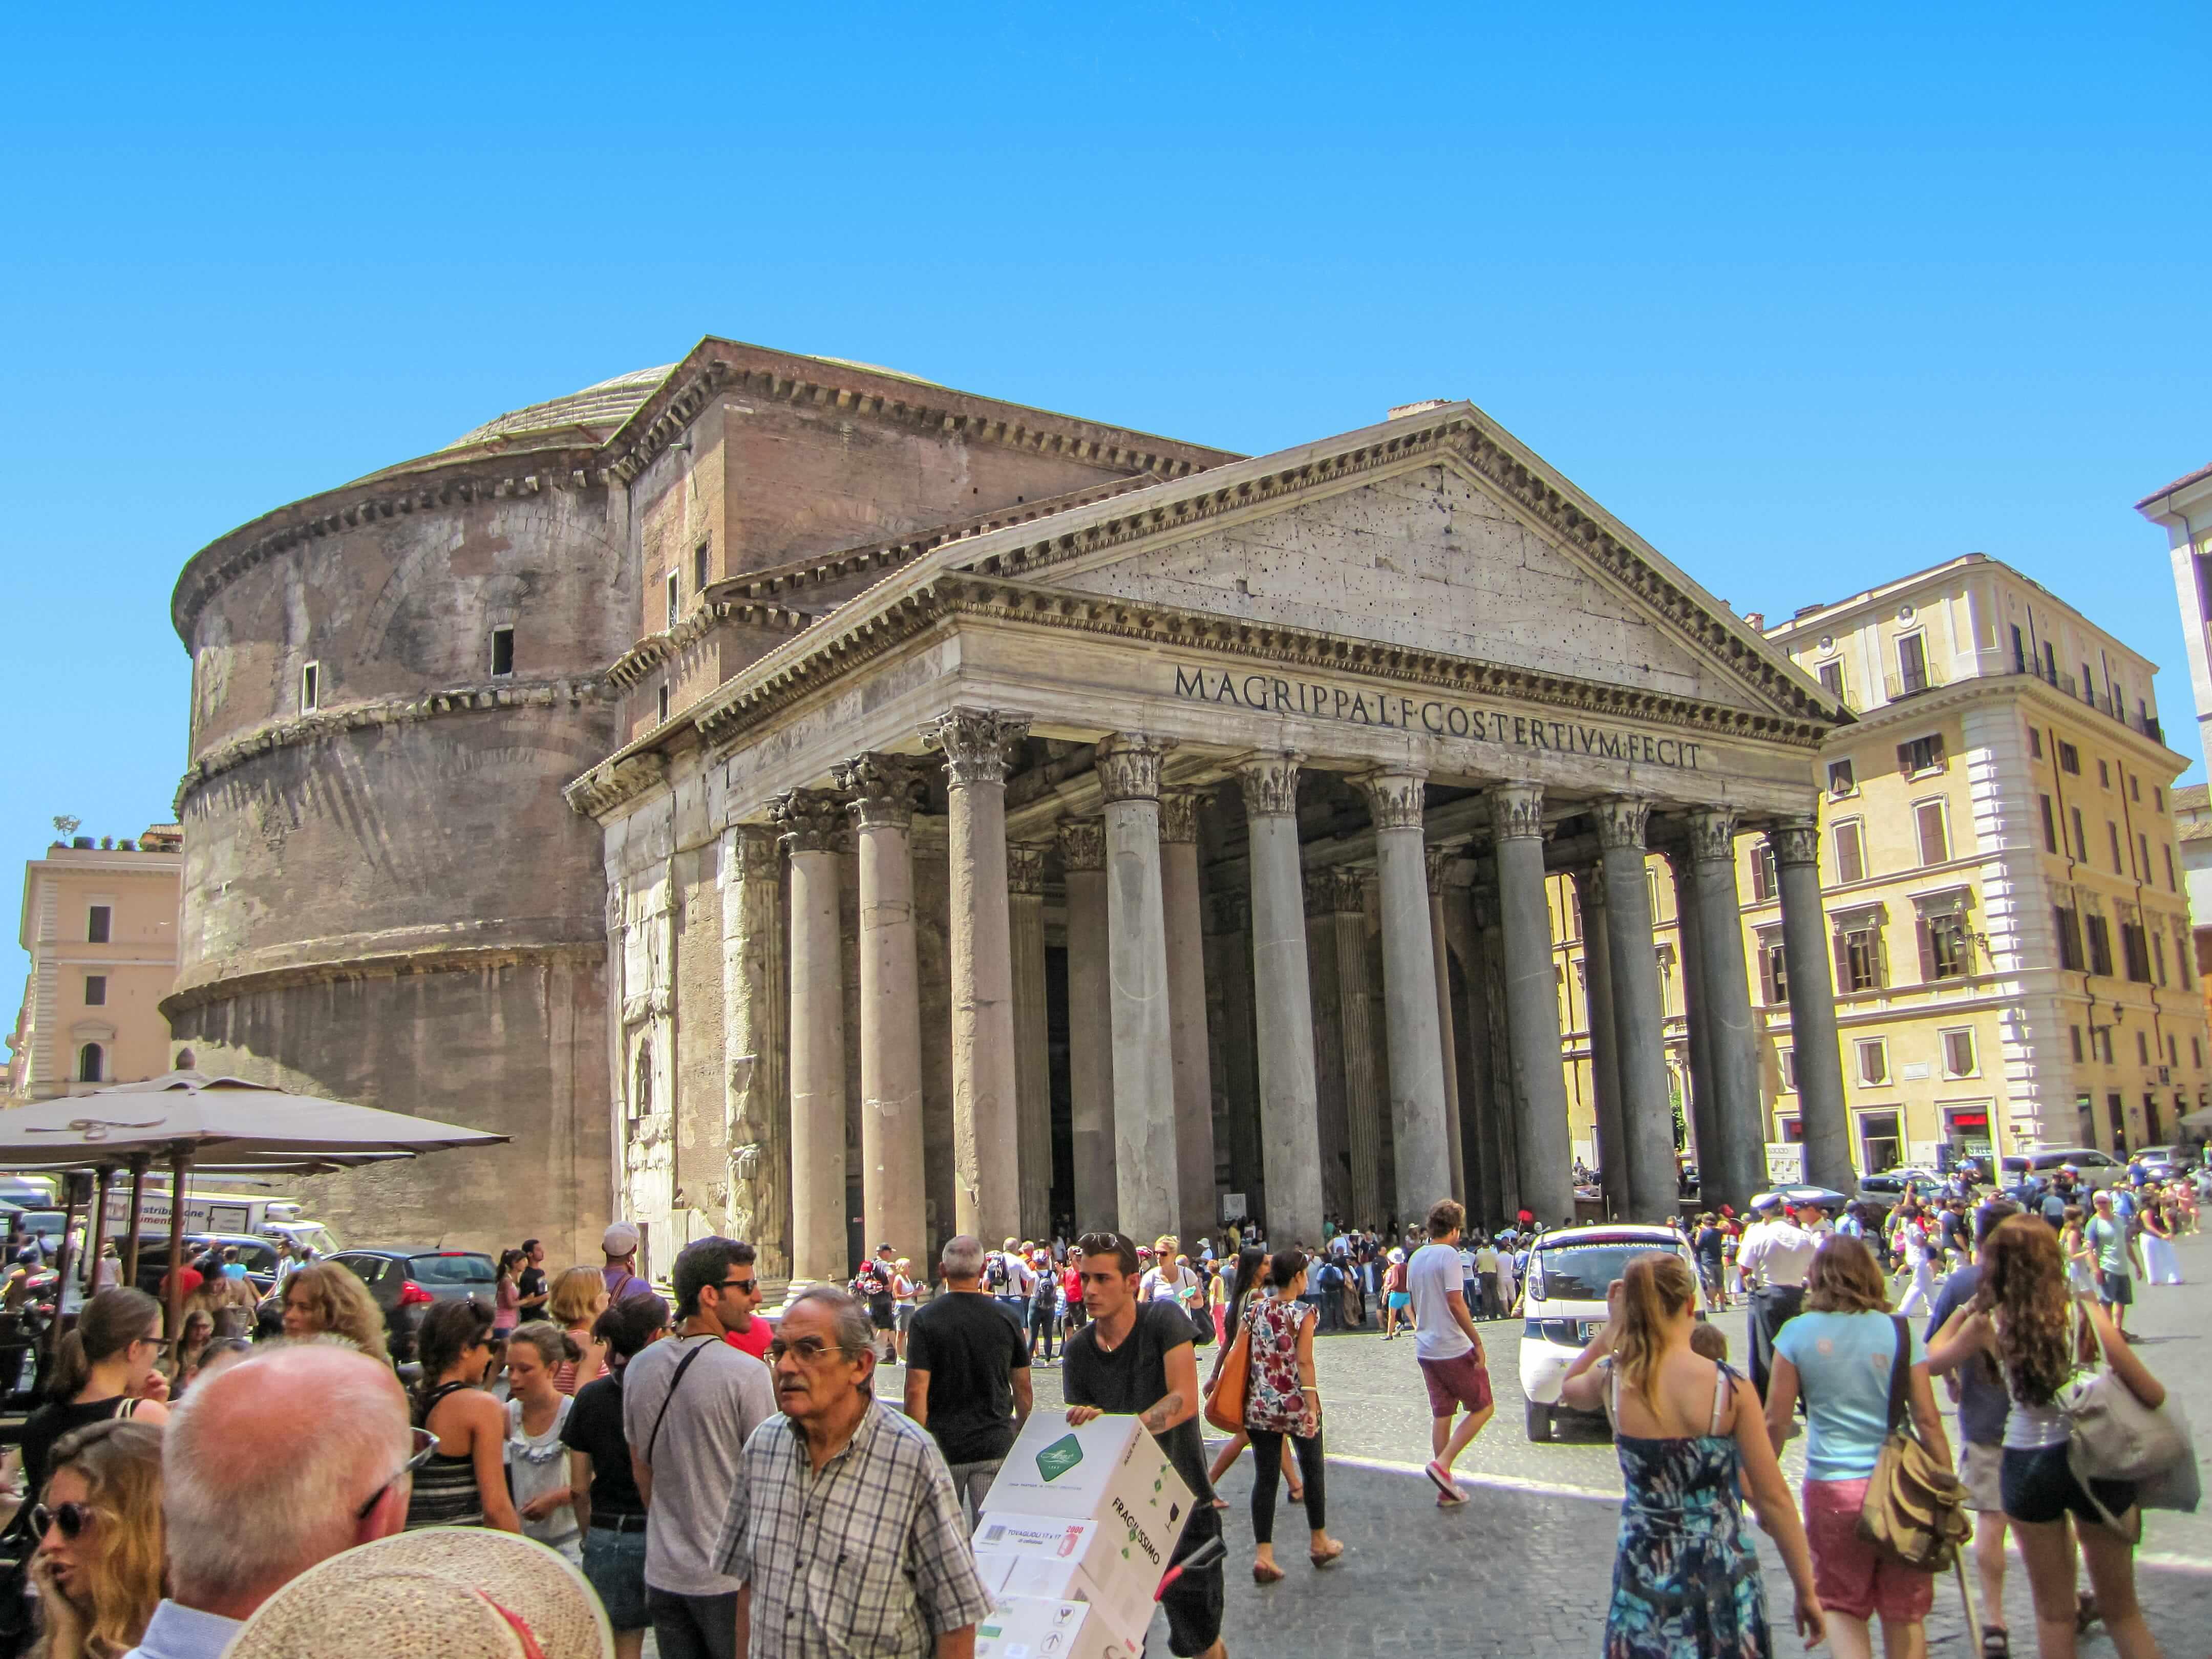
(1456, 1382)
(1849, 1574)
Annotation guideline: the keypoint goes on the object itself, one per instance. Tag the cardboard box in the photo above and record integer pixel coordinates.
(1056, 1560)
(1032, 1628)
(1109, 1469)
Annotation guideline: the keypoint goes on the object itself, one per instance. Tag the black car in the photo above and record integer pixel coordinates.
(256, 1255)
(405, 1282)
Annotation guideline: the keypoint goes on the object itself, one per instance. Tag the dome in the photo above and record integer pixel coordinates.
(601, 407)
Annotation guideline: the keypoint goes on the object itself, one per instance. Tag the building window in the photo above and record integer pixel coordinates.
(2088, 684)
(1840, 781)
(1831, 678)
(2112, 835)
(97, 920)
(2069, 758)
(186, 1060)
(2103, 775)
(2035, 742)
(2134, 952)
(2135, 787)
(1763, 882)
(2105, 1044)
(2142, 1049)
(699, 567)
(1787, 1060)
(1773, 973)
(2170, 887)
(2143, 847)
(2181, 953)
(2080, 837)
(2100, 945)
(502, 651)
(1911, 665)
(96, 990)
(2019, 651)
(1874, 1060)
(310, 688)
(671, 598)
(90, 1064)
(1881, 1144)
(664, 705)
(1850, 854)
(2158, 957)
(1858, 958)
(1944, 950)
(2076, 1030)
(2049, 825)
(1921, 755)
(1959, 1053)
(2158, 800)
(1934, 842)
(2173, 1051)
(1789, 1131)
(2068, 920)
(2197, 1053)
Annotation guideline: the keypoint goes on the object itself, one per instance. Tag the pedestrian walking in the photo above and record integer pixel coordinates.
(1136, 1357)
(1775, 1256)
(1249, 1286)
(530, 1286)
(611, 1508)
(537, 1455)
(842, 1527)
(1282, 1399)
(968, 1374)
(905, 1297)
(1918, 1254)
(99, 1555)
(1508, 1278)
(1711, 1261)
(1397, 1301)
(688, 1407)
(2160, 1265)
(874, 1285)
(506, 1294)
(1691, 1442)
(1070, 1292)
(1837, 1355)
(2119, 1259)
(1044, 1307)
(463, 1481)
(1451, 1355)
(2023, 1320)
(1217, 1301)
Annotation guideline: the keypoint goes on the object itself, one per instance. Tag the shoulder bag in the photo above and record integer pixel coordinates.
(2114, 1436)
(669, 1399)
(1915, 1509)
(1224, 1406)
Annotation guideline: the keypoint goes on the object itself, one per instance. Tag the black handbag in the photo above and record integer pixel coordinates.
(19, 1608)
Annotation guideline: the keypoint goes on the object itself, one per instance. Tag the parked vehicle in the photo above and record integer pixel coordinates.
(257, 1254)
(1882, 1193)
(2094, 1169)
(1564, 1303)
(2164, 1162)
(407, 1281)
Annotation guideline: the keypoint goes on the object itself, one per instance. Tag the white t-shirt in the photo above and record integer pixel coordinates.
(1431, 1278)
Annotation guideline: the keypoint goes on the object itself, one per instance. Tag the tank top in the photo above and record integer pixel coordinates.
(445, 1491)
(2031, 1427)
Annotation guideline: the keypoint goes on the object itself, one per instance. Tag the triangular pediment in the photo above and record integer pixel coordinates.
(1436, 535)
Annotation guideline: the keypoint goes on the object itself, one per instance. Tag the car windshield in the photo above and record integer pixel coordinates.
(1581, 1273)
(458, 1268)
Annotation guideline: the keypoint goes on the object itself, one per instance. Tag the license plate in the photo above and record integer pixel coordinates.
(1587, 1329)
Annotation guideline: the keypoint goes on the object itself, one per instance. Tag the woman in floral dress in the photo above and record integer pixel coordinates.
(1691, 1436)
(1282, 1399)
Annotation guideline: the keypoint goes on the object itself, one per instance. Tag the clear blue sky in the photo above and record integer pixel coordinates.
(1810, 297)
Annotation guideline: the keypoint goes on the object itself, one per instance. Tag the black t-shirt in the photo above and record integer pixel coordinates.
(1132, 1378)
(595, 1428)
(532, 1283)
(49, 1423)
(1709, 1245)
(969, 1344)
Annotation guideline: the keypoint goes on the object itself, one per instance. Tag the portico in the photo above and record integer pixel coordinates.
(1192, 843)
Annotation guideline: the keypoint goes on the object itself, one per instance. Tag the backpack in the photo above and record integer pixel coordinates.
(870, 1282)
(2054, 1208)
(994, 1272)
(1048, 1293)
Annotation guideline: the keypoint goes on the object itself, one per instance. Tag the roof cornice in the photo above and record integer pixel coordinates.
(1954, 694)
(649, 653)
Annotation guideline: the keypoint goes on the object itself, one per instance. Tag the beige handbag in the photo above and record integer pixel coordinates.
(1915, 1510)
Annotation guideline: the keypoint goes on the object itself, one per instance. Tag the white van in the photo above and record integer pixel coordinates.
(1563, 1303)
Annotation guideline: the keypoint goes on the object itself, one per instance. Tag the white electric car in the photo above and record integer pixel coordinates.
(1563, 1302)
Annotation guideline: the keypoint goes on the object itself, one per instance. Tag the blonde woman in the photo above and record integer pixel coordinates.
(325, 1299)
(579, 1297)
(99, 1523)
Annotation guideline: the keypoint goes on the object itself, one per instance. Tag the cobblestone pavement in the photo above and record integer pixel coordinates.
(1524, 1568)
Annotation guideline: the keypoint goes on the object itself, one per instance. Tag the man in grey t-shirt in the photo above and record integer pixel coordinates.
(689, 1406)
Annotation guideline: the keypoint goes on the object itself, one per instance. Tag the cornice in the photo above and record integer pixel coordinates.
(610, 783)
(1955, 695)
(569, 691)
(649, 653)
(467, 960)
(421, 486)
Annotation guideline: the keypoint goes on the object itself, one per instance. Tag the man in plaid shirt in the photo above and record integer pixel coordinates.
(843, 1525)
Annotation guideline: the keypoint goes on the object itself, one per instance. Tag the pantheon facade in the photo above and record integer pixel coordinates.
(798, 800)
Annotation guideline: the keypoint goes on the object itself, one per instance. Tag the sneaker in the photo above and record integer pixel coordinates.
(1448, 1490)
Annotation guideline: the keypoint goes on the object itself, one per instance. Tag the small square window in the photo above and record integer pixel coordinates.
(2069, 758)
(1921, 755)
(96, 990)
(502, 651)
(1840, 781)
(1874, 1060)
(699, 567)
(97, 920)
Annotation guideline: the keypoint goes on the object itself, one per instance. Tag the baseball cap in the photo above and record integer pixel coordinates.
(619, 1240)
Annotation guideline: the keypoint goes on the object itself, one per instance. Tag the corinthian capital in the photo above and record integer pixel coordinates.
(1270, 783)
(1795, 841)
(1083, 843)
(809, 820)
(1339, 890)
(1128, 765)
(1437, 860)
(879, 789)
(976, 743)
(1516, 810)
(1394, 798)
(1024, 867)
(1589, 887)
(1713, 836)
(1620, 820)
(1179, 814)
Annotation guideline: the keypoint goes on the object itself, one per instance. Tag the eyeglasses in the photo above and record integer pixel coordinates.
(71, 1518)
(426, 1444)
(750, 1286)
(807, 1350)
(162, 1344)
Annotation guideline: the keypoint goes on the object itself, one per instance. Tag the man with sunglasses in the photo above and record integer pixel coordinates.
(688, 1408)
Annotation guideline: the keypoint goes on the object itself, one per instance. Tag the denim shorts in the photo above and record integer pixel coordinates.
(614, 1564)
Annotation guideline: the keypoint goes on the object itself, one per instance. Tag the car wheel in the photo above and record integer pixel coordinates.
(1539, 1423)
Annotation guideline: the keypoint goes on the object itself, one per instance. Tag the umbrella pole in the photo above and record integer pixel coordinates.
(137, 1206)
(62, 1263)
(96, 1240)
(179, 1164)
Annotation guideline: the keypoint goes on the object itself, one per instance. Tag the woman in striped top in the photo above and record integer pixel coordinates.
(465, 1482)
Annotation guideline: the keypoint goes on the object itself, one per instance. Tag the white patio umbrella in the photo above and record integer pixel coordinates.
(218, 1124)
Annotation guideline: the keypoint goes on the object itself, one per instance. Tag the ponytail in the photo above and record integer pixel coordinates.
(107, 1325)
(72, 1369)
(1655, 1287)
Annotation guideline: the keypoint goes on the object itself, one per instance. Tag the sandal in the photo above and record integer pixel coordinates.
(1265, 1573)
(1327, 1558)
(1997, 1644)
(1297, 1494)
(2085, 1612)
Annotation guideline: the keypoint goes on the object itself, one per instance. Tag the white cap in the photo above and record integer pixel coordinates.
(619, 1240)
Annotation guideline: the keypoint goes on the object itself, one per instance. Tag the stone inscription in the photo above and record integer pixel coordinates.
(1440, 717)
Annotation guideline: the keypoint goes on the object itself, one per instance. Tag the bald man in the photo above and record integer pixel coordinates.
(278, 1462)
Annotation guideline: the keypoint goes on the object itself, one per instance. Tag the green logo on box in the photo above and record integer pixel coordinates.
(1057, 1459)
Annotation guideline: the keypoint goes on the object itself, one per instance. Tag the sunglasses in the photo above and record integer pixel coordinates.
(425, 1445)
(750, 1286)
(71, 1518)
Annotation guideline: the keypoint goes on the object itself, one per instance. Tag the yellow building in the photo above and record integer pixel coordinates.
(2000, 875)
(99, 925)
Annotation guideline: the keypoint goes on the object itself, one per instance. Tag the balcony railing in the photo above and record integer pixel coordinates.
(2147, 724)
(1902, 682)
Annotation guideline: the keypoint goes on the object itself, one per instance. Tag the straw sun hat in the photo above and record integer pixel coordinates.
(442, 1593)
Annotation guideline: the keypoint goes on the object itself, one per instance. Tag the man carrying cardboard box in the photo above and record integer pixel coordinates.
(1137, 1357)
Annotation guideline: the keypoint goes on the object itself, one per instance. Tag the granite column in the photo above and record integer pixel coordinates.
(1183, 905)
(1145, 1164)
(756, 1103)
(1438, 859)
(1032, 1037)
(1543, 1160)
(1605, 1052)
(1282, 998)
(1417, 1122)
(1089, 1027)
(1647, 1104)
(813, 822)
(1738, 1168)
(1797, 844)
